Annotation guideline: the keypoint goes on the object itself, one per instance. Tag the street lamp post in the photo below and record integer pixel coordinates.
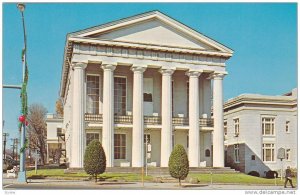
(22, 172)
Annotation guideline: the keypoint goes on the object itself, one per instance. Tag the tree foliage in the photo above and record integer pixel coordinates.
(179, 163)
(37, 129)
(94, 159)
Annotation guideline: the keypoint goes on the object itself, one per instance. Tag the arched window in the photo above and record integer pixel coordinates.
(207, 153)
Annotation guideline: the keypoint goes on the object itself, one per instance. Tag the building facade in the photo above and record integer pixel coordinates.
(55, 141)
(140, 85)
(256, 127)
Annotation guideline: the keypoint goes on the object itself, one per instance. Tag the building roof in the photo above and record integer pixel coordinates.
(91, 36)
(288, 99)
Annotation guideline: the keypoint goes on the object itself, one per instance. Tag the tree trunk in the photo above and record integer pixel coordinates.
(179, 182)
(95, 178)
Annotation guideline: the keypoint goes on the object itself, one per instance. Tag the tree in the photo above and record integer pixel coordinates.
(37, 129)
(94, 159)
(59, 107)
(179, 163)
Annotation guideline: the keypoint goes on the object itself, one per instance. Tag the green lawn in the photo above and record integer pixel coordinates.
(237, 178)
(59, 173)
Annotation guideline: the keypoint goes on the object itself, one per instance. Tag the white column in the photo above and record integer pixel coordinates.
(78, 131)
(194, 131)
(138, 118)
(166, 117)
(207, 97)
(218, 134)
(108, 113)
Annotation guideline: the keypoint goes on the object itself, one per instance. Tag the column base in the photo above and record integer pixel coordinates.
(22, 177)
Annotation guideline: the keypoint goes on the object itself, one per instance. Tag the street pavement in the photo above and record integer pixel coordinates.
(51, 184)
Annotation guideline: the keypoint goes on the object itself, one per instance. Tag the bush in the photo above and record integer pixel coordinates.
(254, 173)
(294, 172)
(270, 174)
(179, 163)
(94, 159)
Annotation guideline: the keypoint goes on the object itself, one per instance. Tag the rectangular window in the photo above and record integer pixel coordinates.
(236, 126)
(120, 146)
(90, 137)
(287, 126)
(268, 126)
(172, 93)
(92, 94)
(58, 131)
(120, 88)
(225, 127)
(188, 97)
(187, 141)
(268, 152)
(236, 153)
(173, 140)
(288, 154)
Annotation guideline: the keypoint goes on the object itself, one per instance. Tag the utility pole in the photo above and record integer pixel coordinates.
(13, 151)
(4, 144)
(15, 148)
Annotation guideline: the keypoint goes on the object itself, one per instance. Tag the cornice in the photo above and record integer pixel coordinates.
(261, 100)
(143, 46)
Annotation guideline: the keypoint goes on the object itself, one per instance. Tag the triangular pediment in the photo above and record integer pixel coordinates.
(153, 28)
(153, 32)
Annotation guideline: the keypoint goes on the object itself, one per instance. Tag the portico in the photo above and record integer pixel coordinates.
(144, 78)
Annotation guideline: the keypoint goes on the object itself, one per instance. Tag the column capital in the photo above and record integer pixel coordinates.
(193, 73)
(79, 65)
(110, 67)
(218, 75)
(140, 69)
(166, 71)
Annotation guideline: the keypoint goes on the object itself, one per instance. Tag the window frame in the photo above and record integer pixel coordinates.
(126, 94)
(271, 123)
(236, 153)
(288, 154)
(225, 127)
(120, 150)
(272, 149)
(188, 98)
(287, 126)
(86, 137)
(236, 126)
(58, 129)
(86, 92)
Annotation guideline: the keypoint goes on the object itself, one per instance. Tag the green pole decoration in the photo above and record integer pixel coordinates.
(20, 126)
(25, 146)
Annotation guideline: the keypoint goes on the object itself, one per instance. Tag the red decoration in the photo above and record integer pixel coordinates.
(22, 118)
(26, 123)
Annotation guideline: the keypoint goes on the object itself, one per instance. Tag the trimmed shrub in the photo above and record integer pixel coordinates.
(179, 163)
(270, 174)
(94, 159)
(254, 173)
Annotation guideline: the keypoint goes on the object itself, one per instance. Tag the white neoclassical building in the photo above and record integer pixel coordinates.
(146, 78)
(256, 126)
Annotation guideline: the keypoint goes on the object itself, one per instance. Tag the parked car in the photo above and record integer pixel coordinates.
(9, 163)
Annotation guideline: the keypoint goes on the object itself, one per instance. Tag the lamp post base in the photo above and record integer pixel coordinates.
(22, 177)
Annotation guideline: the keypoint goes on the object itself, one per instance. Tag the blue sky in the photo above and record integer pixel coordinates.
(262, 35)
